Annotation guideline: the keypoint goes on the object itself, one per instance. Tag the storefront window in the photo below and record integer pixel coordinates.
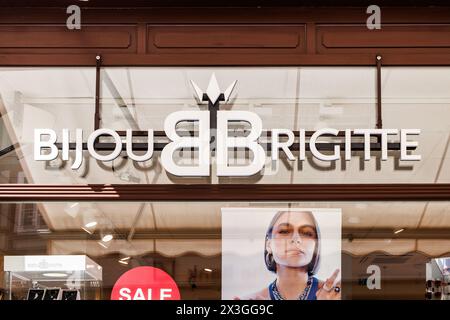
(293, 98)
(33, 98)
(417, 97)
(210, 249)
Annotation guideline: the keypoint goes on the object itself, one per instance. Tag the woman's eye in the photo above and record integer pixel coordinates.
(283, 231)
(308, 234)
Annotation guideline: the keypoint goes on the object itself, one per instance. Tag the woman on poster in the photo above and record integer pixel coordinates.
(292, 252)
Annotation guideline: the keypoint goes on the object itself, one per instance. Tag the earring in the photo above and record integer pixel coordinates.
(269, 260)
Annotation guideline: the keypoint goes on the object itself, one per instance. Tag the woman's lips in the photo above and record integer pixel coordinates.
(295, 252)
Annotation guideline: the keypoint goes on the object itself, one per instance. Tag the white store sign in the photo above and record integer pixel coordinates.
(224, 143)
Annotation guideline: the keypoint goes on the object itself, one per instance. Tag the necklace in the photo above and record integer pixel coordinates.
(276, 295)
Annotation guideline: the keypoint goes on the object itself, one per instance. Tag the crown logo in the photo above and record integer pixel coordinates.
(213, 93)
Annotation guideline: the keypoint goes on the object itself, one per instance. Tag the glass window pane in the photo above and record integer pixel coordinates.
(210, 248)
(284, 97)
(32, 98)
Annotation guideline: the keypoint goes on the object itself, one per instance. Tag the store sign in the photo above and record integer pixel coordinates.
(145, 283)
(224, 143)
(218, 128)
(38, 263)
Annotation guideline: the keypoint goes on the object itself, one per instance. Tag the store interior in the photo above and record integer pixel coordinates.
(184, 240)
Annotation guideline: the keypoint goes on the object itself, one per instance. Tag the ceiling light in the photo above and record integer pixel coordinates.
(87, 230)
(91, 224)
(54, 164)
(72, 209)
(208, 270)
(125, 259)
(43, 231)
(102, 244)
(329, 109)
(107, 238)
(123, 262)
(129, 177)
(55, 274)
(399, 230)
(354, 220)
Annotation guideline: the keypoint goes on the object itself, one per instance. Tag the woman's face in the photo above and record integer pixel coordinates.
(293, 239)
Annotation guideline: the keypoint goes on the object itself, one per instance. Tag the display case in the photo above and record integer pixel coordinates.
(53, 277)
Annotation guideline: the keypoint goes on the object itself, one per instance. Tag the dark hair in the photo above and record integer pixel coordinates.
(271, 265)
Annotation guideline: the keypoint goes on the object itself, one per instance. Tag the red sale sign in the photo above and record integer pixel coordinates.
(145, 283)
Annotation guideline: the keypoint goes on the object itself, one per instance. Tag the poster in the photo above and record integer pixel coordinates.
(281, 254)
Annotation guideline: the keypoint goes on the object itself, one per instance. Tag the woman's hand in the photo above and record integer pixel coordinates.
(326, 289)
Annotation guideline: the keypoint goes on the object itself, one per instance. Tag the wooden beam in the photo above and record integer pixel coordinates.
(226, 192)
